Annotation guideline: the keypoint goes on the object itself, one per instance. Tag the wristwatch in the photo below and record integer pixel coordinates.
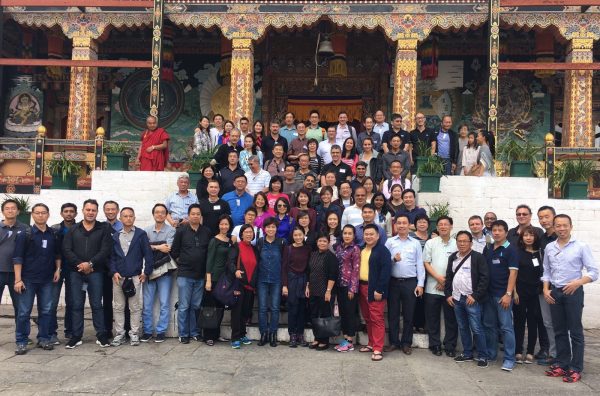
(91, 265)
(509, 294)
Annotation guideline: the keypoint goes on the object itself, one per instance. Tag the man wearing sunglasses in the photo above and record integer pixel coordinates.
(523, 214)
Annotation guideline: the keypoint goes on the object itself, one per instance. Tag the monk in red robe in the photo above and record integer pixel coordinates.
(154, 150)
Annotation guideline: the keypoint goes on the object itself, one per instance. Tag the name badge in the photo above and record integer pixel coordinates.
(464, 268)
(44, 244)
(217, 207)
(237, 202)
(536, 262)
(10, 233)
(496, 261)
(342, 170)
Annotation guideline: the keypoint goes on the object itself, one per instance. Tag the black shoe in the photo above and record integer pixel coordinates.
(541, 355)
(184, 340)
(160, 338)
(482, 363)
(264, 338)
(293, 341)
(197, 338)
(146, 337)
(463, 359)
(322, 347)
(73, 343)
(103, 341)
(436, 350)
(450, 353)
(273, 339)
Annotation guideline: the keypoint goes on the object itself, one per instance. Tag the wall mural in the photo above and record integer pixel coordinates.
(198, 90)
(525, 105)
(24, 108)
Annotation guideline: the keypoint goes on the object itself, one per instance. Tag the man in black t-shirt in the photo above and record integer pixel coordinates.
(213, 207)
(342, 170)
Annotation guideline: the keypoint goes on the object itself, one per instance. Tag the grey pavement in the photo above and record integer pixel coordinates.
(173, 368)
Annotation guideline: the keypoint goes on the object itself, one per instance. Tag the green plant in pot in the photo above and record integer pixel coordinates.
(430, 172)
(23, 206)
(572, 177)
(520, 157)
(64, 173)
(424, 150)
(436, 211)
(198, 162)
(118, 154)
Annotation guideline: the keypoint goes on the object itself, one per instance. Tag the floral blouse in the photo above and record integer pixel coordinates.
(349, 263)
(202, 142)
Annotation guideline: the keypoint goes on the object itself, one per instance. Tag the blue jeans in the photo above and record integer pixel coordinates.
(56, 289)
(497, 318)
(43, 292)
(269, 297)
(162, 287)
(190, 300)
(94, 282)
(8, 279)
(468, 318)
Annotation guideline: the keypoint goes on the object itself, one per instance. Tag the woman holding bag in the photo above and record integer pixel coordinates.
(322, 273)
(216, 262)
(242, 264)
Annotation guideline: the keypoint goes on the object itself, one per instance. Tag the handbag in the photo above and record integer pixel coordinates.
(210, 317)
(226, 286)
(327, 327)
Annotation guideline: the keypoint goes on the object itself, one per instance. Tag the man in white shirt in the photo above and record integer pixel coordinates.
(343, 131)
(217, 130)
(258, 179)
(476, 227)
(324, 149)
(353, 214)
(435, 257)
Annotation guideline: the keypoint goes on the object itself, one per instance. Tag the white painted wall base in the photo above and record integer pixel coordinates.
(467, 196)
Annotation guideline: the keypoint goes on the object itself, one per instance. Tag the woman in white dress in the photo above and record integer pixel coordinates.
(469, 154)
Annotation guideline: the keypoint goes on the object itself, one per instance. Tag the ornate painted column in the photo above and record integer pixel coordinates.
(241, 98)
(82, 93)
(493, 60)
(578, 130)
(405, 81)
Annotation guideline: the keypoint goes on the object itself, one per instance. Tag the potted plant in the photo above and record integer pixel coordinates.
(117, 156)
(198, 162)
(572, 177)
(64, 173)
(520, 157)
(436, 211)
(430, 172)
(23, 206)
(424, 150)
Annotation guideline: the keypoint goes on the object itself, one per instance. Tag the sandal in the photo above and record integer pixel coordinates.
(366, 349)
(377, 356)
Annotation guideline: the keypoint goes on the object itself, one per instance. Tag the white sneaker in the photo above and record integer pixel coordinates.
(135, 340)
(117, 341)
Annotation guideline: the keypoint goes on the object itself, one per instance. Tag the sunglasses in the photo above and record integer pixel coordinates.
(522, 214)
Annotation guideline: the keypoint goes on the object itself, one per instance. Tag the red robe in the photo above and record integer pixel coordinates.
(157, 159)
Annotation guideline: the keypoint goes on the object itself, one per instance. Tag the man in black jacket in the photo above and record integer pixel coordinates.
(86, 249)
(447, 145)
(466, 285)
(189, 250)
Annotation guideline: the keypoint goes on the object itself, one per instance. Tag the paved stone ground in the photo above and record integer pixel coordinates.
(173, 368)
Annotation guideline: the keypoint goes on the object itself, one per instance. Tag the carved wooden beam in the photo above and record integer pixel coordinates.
(75, 63)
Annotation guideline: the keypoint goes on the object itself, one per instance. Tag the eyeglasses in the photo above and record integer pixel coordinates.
(281, 205)
(490, 218)
(522, 214)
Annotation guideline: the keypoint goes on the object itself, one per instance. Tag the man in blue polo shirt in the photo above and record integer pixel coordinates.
(503, 263)
(37, 265)
(239, 200)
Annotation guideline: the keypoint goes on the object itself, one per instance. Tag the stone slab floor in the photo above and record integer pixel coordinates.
(173, 368)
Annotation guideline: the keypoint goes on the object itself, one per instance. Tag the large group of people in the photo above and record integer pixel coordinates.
(301, 216)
